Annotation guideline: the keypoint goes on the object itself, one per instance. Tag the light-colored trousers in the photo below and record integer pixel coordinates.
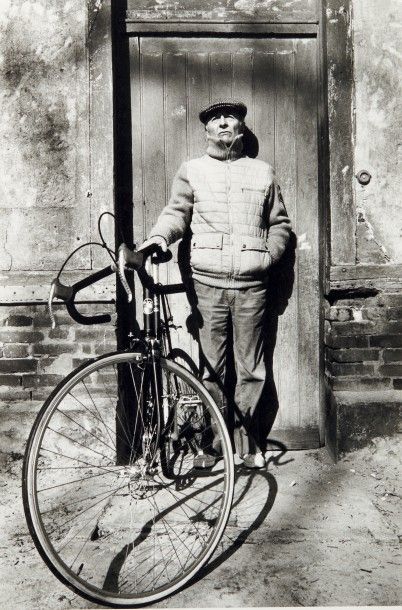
(245, 309)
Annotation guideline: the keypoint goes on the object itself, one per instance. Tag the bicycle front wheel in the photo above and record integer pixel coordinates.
(112, 499)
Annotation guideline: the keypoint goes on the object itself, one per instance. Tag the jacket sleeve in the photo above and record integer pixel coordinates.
(278, 222)
(176, 215)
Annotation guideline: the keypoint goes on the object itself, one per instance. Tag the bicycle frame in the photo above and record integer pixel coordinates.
(151, 308)
(152, 338)
(91, 476)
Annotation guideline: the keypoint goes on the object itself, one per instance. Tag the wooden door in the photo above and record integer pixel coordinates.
(172, 79)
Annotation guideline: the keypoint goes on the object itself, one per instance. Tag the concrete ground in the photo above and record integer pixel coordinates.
(305, 532)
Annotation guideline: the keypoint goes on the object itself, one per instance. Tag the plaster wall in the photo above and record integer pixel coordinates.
(44, 150)
(377, 34)
(45, 156)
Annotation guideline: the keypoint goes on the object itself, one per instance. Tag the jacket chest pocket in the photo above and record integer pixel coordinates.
(255, 258)
(253, 194)
(252, 188)
(206, 252)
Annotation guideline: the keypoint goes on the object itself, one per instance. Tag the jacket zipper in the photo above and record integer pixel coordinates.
(228, 184)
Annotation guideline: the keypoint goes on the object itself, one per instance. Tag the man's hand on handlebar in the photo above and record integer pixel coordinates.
(157, 240)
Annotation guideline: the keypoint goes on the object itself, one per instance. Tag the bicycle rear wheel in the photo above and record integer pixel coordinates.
(111, 496)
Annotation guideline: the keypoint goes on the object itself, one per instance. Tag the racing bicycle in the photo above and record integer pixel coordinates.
(121, 496)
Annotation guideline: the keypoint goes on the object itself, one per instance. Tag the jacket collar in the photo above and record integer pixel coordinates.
(218, 149)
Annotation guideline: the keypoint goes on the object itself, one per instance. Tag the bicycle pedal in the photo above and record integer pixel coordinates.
(203, 460)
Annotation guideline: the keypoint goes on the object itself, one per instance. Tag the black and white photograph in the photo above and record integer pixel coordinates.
(200, 304)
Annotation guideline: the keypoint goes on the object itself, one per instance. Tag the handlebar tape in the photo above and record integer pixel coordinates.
(68, 293)
(61, 291)
(136, 260)
(87, 320)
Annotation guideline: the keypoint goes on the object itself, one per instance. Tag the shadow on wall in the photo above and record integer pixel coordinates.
(250, 143)
(280, 288)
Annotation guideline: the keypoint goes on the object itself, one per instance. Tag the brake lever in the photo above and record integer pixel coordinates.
(120, 272)
(60, 291)
(50, 304)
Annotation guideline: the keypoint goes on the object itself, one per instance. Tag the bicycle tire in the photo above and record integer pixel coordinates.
(71, 470)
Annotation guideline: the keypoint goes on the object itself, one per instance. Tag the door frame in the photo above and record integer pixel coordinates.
(335, 126)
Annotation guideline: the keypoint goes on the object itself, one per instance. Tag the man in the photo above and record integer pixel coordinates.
(240, 228)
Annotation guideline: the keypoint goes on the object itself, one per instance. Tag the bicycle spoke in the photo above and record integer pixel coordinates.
(163, 555)
(124, 410)
(101, 474)
(74, 502)
(121, 512)
(207, 505)
(93, 402)
(138, 409)
(86, 540)
(126, 426)
(64, 468)
(198, 530)
(100, 419)
(78, 443)
(169, 536)
(177, 536)
(88, 431)
(84, 511)
(69, 457)
(114, 407)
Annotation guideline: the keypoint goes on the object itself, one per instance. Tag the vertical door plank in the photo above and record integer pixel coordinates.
(176, 151)
(175, 113)
(152, 137)
(174, 125)
(198, 98)
(242, 64)
(139, 229)
(285, 161)
(264, 103)
(307, 226)
(198, 92)
(136, 120)
(264, 89)
(221, 75)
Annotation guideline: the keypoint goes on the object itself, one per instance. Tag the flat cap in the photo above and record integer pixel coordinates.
(232, 106)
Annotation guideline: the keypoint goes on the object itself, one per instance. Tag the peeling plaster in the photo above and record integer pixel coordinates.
(225, 9)
(302, 242)
(378, 120)
(393, 51)
(6, 259)
(44, 131)
(251, 6)
(179, 111)
(357, 315)
(369, 248)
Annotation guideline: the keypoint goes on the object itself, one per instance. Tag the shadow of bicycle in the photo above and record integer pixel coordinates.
(254, 497)
(255, 493)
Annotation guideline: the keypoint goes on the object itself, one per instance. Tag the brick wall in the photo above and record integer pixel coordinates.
(34, 358)
(364, 343)
(363, 350)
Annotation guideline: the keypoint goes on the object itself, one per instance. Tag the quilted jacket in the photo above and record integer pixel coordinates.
(236, 214)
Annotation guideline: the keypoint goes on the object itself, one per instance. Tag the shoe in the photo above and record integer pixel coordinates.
(201, 461)
(254, 460)
(238, 460)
